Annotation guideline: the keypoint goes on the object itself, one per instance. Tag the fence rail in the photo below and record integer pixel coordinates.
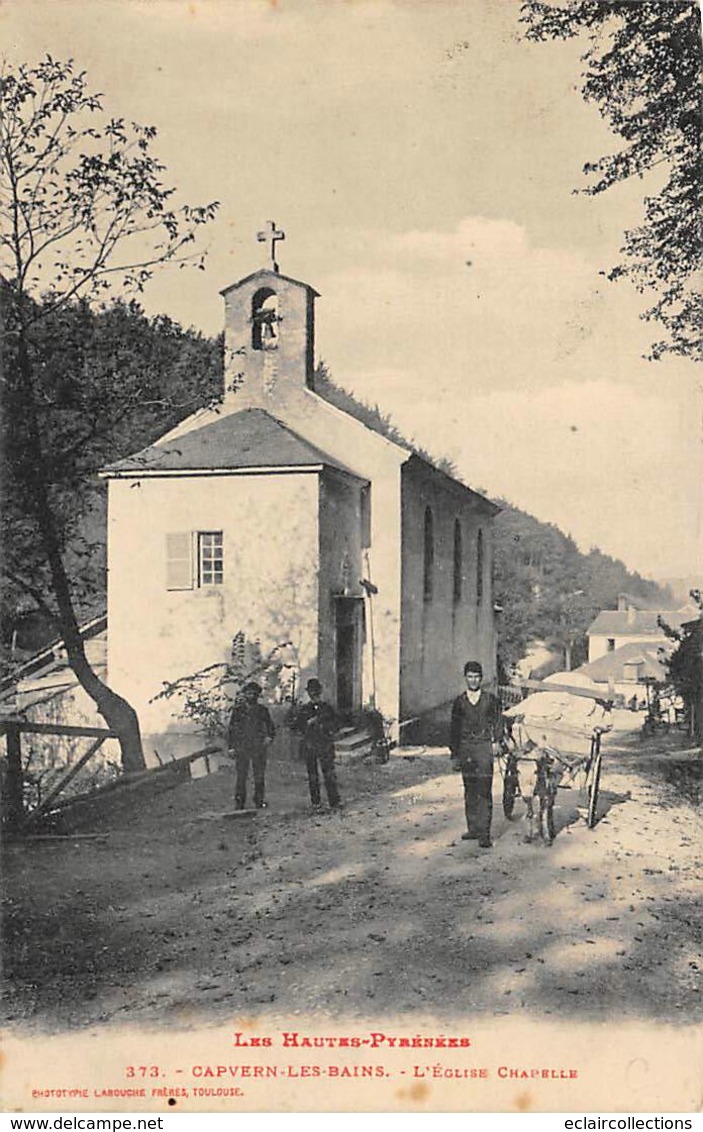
(12, 728)
(10, 723)
(17, 819)
(515, 693)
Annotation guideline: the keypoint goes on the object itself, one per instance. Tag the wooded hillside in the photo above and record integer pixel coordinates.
(113, 380)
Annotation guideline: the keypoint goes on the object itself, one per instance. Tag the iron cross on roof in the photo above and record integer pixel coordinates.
(271, 235)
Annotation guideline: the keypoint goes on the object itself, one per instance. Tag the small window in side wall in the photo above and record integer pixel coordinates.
(179, 561)
(611, 644)
(480, 567)
(365, 507)
(210, 558)
(458, 562)
(428, 556)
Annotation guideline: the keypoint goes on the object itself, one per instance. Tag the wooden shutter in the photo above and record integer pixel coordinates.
(179, 561)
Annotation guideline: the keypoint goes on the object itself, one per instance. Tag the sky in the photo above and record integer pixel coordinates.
(422, 160)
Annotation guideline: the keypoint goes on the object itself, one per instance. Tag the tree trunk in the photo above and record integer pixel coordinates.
(119, 715)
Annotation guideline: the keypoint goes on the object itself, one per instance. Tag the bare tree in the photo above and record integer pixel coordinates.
(84, 214)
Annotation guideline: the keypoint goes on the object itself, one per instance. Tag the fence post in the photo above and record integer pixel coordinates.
(13, 782)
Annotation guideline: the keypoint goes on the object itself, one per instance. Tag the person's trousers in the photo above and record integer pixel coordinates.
(325, 759)
(478, 802)
(258, 765)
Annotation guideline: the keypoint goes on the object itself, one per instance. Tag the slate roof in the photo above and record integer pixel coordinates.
(610, 666)
(637, 622)
(251, 438)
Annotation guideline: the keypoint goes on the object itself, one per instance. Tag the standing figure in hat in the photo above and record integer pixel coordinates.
(249, 736)
(317, 723)
(476, 726)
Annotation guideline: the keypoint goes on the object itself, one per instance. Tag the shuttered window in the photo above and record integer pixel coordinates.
(179, 561)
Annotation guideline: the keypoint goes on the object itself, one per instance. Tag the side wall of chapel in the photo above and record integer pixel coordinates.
(447, 594)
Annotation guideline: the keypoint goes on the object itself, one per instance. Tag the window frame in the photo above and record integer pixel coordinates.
(207, 559)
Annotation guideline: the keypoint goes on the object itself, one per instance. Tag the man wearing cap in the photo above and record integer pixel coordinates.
(476, 724)
(249, 736)
(317, 723)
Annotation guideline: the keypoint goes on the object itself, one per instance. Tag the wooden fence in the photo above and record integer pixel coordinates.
(17, 819)
(13, 729)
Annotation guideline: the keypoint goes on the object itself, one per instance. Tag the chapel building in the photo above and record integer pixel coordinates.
(278, 518)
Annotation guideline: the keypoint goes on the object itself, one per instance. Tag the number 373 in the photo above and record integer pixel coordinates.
(142, 1071)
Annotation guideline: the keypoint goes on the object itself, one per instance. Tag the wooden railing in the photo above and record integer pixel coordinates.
(514, 693)
(17, 819)
(12, 729)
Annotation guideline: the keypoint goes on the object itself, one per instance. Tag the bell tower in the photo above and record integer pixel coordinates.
(269, 334)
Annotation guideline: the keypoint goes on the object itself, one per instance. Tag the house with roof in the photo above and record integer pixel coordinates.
(614, 628)
(277, 517)
(636, 663)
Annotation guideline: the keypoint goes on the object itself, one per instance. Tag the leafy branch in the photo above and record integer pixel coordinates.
(206, 696)
(642, 70)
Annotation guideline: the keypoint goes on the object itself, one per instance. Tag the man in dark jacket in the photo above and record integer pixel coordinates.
(317, 723)
(249, 736)
(475, 726)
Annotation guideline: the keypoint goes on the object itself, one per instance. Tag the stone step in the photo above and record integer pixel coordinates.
(344, 732)
(355, 744)
(352, 740)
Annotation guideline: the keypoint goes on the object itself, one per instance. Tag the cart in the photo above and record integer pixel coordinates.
(559, 747)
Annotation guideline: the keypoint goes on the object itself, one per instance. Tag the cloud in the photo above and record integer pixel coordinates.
(478, 304)
(473, 234)
(518, 367)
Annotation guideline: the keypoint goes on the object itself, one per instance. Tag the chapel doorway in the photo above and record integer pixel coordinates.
(349, 613)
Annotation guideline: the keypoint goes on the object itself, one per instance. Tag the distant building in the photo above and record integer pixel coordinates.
(628, 625)
(630, 665)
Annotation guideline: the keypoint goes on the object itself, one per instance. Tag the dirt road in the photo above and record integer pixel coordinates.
(183, 916)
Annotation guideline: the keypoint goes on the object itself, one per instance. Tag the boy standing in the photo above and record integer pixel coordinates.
(249, 736)
(475, 727)
(317, 724)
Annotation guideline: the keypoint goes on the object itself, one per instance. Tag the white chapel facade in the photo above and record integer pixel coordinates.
(277, 516)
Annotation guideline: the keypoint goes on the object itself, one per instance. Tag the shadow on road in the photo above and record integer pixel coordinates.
(181, 918)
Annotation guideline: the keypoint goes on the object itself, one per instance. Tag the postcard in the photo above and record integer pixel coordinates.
(354, 525)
